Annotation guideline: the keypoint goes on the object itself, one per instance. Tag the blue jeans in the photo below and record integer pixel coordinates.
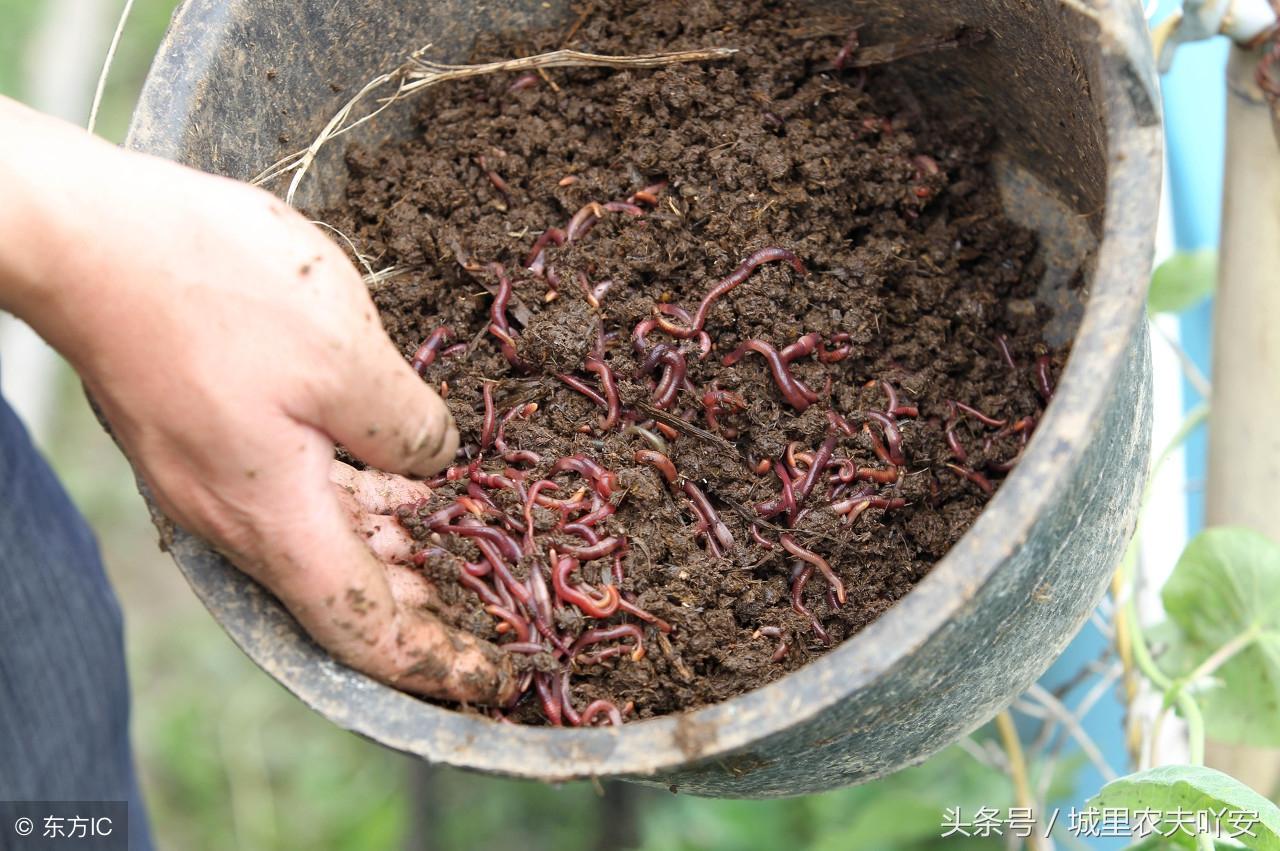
(64, 694)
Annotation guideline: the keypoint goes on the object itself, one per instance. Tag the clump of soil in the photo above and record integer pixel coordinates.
(913, 281)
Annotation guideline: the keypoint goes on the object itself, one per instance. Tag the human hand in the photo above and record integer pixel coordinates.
(230, 345)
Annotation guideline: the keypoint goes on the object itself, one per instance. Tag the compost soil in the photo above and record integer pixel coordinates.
(892, 209)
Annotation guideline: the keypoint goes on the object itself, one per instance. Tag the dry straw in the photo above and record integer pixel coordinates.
(418, 73)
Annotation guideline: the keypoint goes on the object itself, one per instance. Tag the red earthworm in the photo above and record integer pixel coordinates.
(760, 539)
(785, 504)
(613, 407)
(604, 480)
(480, 588)
(517, 623)
(444, 515)
(892, 437)
(531, 648)
(531, 497)
(494, 482)
(662, 311)
(648, 617)
(673, 375)
(596, 608)
(597, 707)
(803, 347)
(535, 260)
(640, 332)
(838, 354)
(972, 475)
(562, 690)
(781, 652)
(586, 533)
(609, 633)
(498, 309)
(887, 476)
(740, 274)
(627, 207)
(1003, 343)
(716, 402)
(520, 411)
(1044, 378)
(583, 221)
(648, 195)
(539, 595)
(563, 505)
(846, 51)
(655, 441)
(495, 178)
(475, 507)
(498, 538)
(490, 417)
(524, 81)
(953, 442)
(769, 631)
(548, 697)
(618, 574)
(602, 510)
(599, 549)
(584, 388)
(456, 349)
(789, 544)
(796, 394)
(600, 290)
(716, 529)
(892, 408)
(978, 415)
(427, 352)
(762, 466)
(659, 461)
(789, 457)
(478, 569)
(840, 422)
(810, 478)
(797, 601)
(522, 456)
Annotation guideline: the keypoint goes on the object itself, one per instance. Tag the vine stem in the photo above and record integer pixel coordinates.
(1130, 641)
(1017, 769)
(1205, 669)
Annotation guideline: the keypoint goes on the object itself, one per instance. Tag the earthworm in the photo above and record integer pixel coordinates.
(516, 623)
(613, 408)
(498, 538)
(796, 394)
(797, 601)
(524, 81)
(972, 475)
(1002, 342)
(892, 437)
(531, 648)
(519, 411)
(522, 456)
(531, 499)
(599, 291)
(789, 544)
(736, 277)
(648, 195)
(840, 422)
(430, 348)
(480, 587)
(662, 311)
(838, 354)
(627, 207)
(846, 51)
(563, 692)
(785, 504)
(892, 408)
(584, 388)
(775, 632)
(595, 608)
(716, 529)
(978, 415)
(598, 707)
(803, 347)
(548, 697)
(603, 480)
(648, 617)
(610, 633)
(490, 416)
(760, 539)
(1044, 378)
(659, 461)
(716, 402)
(820, 459)
(495, 178)
(583, 531)
(590, 552)
(583, 221)
(602, 509)
(534, 261)
(673, 375)
(953, 442)
(655, 440)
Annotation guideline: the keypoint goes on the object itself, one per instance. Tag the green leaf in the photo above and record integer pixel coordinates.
(1193, 789)
(1183, 281)
(1226, 583)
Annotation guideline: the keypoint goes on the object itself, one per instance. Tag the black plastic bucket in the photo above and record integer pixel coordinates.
(1069, 85)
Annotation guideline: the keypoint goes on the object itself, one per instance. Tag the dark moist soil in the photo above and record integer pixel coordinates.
(770, 148)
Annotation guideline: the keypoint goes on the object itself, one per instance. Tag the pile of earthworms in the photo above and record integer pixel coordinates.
(551, 575)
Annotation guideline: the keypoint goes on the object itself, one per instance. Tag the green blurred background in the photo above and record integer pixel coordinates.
(229, 759)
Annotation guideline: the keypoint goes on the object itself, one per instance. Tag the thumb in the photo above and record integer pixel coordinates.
(386, 416)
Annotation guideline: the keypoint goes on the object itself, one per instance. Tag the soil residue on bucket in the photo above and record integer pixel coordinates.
(913, 283)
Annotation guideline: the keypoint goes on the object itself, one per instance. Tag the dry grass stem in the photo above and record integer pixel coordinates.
(418, 73)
